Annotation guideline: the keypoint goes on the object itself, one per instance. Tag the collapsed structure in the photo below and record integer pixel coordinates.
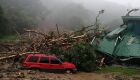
(123, 42)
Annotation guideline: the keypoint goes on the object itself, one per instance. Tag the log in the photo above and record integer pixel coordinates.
(12, 56)
(76, 37)
(34, 31)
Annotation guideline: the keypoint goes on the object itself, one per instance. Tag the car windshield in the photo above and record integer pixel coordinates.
(61, 58)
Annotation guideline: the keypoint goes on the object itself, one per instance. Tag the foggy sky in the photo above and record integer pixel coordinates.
(132, 3)
(114, 9)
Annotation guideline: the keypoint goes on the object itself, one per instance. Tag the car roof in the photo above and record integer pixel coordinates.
(42, 55)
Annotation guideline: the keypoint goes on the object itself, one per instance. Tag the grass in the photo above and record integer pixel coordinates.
(7, 38)
(123, 70)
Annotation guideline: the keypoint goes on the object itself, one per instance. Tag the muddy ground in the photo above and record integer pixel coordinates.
(7, 73)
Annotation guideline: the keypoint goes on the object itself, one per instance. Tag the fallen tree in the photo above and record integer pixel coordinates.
(72, 46)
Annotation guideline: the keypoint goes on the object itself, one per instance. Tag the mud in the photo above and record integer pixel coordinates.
(9, 73)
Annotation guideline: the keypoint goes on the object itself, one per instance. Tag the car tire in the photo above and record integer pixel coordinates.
(35, 69)
(68, 71)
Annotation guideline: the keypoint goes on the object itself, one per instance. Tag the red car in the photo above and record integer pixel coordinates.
(49, 62)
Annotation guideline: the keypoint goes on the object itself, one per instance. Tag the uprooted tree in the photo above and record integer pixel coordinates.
(72, 46)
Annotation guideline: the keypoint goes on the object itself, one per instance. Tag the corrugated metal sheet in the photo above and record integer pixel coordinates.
(116, 32)
(127, 44)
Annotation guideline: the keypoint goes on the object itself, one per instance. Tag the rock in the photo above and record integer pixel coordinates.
(31, 72)
(20, 75)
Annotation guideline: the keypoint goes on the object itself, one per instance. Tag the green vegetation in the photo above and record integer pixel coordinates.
(82, 54)
(15, 15)
(123, 70)
(7, 38)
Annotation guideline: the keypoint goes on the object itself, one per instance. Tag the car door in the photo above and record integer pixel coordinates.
(32, 62)
(55, 63)
(44, 62)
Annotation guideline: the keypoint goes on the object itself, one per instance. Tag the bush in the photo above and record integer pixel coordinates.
(81, 54)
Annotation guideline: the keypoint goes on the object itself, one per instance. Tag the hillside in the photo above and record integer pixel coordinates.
(23, 13)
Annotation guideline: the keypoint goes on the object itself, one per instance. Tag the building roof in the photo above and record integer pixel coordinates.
(131, 18)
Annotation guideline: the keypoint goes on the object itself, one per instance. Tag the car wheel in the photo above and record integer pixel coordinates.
(35, 69)
(68, 71)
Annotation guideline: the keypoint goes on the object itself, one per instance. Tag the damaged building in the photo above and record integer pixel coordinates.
(123, 43)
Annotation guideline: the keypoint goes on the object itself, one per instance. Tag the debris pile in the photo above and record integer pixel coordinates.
(72, 47)
(42, 42)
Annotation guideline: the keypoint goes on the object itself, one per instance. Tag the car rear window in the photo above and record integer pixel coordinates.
(33, 59)
(44, 60)
(55, 61)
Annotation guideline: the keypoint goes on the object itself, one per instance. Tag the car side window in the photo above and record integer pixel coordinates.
(33, 59)
(55, 61)
(44, 60)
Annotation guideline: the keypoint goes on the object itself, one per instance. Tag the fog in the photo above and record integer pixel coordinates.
(134, 3)
(67, 14)
(71, 14)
